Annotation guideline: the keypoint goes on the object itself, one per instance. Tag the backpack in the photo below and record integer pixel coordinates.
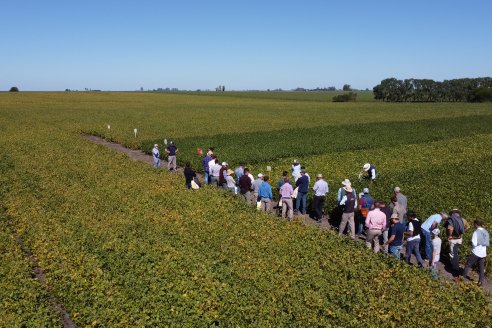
(458, 225)
(483, 238)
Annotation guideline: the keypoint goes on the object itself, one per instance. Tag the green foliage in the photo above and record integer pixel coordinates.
(126, 245)
(14, 89)
(351, 96)
(481, 95)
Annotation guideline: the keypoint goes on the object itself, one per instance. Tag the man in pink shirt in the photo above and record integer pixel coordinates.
(375, 223)
(286, 192)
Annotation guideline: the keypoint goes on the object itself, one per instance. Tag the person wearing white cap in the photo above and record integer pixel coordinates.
(256, 187)
(296, 170)
(320, 190)
(156, 156)
(371, 171)
(171, 151)
(430, 224)
(436, 252)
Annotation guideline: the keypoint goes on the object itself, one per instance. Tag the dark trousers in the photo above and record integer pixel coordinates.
(319, 203)
(471, 262)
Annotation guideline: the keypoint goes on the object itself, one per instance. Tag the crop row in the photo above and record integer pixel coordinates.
(125, 245)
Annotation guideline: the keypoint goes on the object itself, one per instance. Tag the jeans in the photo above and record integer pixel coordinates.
(301, 201)
(395, 251)
(360, 224)
(428, 244)
(413, 247)
(385, 239)
(205, 177)
(214, 180)
(471, 262)
(319, 203)
(157, 162)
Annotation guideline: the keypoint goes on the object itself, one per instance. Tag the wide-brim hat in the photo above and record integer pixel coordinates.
(319, 175)
(346, 182)
(394, 216)
(156, 145)
(230, 172)
(455, 210)
(348, 188)
(366, 167)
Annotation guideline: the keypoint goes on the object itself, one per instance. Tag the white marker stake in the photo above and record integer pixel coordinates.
(165, 141)
(269, 168)
(135, 131)
(109, 127)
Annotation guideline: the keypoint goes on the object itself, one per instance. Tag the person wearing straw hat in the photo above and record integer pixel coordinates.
(395, 240)
(156, 156)
(320, 190)
(348, 204)
(371, 171)
(231, 184)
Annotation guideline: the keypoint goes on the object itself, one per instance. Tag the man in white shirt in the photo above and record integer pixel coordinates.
(480, 242)
(156, 156)
(320, 190)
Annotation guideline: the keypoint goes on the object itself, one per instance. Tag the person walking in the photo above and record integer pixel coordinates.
(371, 171)
(223, 175)
(480, 241)
(189, 174)
(245, 186)
(303, 184)
(366, 203)
(320, 190)
(436, 252)
(398, 209)
(375, 224)
(286, 191)
(455, 228)
(156, 156)
(205, 161)
(413, 239)
(348, 204)
(430, 224)
(395, 240)
(171, 151)
(265, 194)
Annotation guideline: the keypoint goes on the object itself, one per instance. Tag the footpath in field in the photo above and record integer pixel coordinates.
(138, 155)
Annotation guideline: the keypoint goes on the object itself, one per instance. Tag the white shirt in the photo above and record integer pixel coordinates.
(210, 164)
(320, 188)
(410, 228)
(478, 250)
(251, 178)
(215, 170)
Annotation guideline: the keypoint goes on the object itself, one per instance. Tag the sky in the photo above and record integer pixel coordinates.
(124, 45)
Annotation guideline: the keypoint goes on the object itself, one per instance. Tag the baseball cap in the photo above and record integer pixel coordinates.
(435, 231)
(366, 190)
(260, 175)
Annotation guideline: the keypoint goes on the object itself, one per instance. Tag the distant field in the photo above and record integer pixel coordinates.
(125, 245)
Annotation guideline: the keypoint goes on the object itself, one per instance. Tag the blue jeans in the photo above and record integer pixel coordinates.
(395, 251)
(205, 176)
(428, 244)
(157, 162)
(301, 197)
(413, 247)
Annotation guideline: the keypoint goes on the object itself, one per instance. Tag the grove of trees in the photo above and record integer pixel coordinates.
(426, 90)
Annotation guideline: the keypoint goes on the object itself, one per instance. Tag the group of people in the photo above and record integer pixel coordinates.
(389, 225)
(171, 151)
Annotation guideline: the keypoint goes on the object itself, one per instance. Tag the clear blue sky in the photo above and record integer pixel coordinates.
(125, 45)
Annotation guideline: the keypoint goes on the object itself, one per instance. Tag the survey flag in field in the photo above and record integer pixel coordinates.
(109, 127)
(135, 131)
(165, 141)
(269, 168)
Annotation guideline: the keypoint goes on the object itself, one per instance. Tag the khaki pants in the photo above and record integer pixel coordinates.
(171, 164)
(347, 218)
(287, 207)
(266, 204)
(373, 236)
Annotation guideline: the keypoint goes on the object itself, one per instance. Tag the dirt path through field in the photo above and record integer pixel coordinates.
(138, 155)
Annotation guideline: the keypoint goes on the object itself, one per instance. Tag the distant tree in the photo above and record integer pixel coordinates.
(347, 87)
(14, 89)
(481, 95)
(351, 96)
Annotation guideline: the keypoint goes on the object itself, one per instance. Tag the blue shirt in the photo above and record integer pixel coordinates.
(205, 161)
(239, 172)
(428, 223)
(265, 190)
(303, 184)
(172, 150)
(397, 230)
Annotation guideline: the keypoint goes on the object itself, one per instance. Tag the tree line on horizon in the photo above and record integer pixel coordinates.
(426, 90)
